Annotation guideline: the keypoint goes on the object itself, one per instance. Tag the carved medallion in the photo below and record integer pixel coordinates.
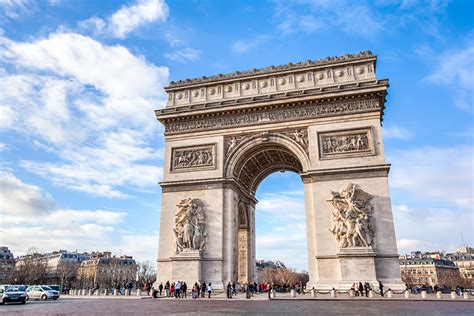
(352, 217)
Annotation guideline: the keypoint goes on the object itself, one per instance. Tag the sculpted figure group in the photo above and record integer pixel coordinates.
(193, 158)
(189, 225)
(340, 144)
(351, 216)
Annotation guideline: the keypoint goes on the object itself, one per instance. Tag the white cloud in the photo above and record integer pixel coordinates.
(310, 16)
(428, 229)
(396, 132)
(243, 46)
(92, 103)
(435, 175)
(128, 18)
(7, 117)
(15, 8)
(29, 218)
(281, 228)
(184, 55)
(456, 71)
(17, 197)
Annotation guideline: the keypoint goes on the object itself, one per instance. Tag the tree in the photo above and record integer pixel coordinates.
(67, 272)
(146, 273)
(32, 268)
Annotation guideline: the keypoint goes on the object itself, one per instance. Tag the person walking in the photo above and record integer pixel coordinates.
(177, 291)
(366, 289)
(203, 289)
(247, 290)
(160, 288)
(209, 290)
(184, 289)
(381, 288)
(361, 289)
(234, 290)
(229, 290)
(167, 288)
(172, 289)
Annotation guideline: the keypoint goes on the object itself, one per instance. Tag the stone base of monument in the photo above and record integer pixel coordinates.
(357, 264)
(186, 266)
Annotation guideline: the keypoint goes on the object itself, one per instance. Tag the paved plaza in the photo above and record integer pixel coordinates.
(220, 306)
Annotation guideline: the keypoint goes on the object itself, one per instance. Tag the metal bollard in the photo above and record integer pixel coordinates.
(465, 295)
(83, 292)
(97, 292)
(333, 293)
(273, 294)
(390, 293)
(439, 295)
(407, 294)
(115, 292)
(313, 293)
(89, 293)
(453, 295)
(292, 293)
(371, 294)
(351, 293)
(423, 295)
(139, 292)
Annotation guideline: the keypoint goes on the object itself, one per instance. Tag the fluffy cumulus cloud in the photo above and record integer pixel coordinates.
(128, 18)
(29, 217)
(281, 228)
(17, 197)
(91, 103)
(435, 175)
(435, 229)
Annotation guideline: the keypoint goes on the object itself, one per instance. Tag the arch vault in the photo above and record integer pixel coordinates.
(225, 134)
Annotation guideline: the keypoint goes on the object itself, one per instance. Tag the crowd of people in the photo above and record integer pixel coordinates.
(202, 289)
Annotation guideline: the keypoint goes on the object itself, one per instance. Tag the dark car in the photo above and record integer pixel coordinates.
(13, 293)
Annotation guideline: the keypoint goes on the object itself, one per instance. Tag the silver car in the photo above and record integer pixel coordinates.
(42, 292)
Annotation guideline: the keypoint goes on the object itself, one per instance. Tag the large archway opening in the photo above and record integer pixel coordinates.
(280, 224)
(282, 218)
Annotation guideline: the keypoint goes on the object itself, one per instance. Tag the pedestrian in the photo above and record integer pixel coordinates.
(203, 289)
(247, 290)
(361, 289)
(234, 290)
(184, 289)
(366, 288)
(381, 288)
(229, 290)
(209, 290)
(195, 290)
(167, 288)
(160, 287)
(177, 290)
(172, 289)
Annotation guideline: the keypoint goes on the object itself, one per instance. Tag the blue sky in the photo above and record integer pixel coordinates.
(81, 151)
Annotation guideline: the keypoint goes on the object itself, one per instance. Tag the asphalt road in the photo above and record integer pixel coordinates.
(236, 307)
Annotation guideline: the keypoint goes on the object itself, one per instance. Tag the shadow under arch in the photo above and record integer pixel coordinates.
(261, 155)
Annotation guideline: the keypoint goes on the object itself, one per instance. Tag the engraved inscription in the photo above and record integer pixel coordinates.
(193, 157)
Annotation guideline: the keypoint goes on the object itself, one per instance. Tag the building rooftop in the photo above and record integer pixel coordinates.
(273, 69)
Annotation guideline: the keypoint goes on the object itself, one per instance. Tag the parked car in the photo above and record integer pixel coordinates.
(13, 293)
(42, 292)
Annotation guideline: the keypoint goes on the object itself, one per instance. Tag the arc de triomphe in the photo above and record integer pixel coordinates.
(224, 134)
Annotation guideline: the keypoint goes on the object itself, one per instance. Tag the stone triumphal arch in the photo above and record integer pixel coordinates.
(224, 134)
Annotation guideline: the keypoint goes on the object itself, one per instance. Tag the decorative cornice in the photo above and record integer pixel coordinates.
(346, 173)
(273, 69)
(285, 113)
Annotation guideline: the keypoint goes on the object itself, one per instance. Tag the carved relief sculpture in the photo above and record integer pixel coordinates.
(202, 156)
(351, 217)
(189, 227)
(300, 136)
(346, 143)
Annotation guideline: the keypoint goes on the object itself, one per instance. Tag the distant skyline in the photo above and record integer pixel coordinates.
(82, 153)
